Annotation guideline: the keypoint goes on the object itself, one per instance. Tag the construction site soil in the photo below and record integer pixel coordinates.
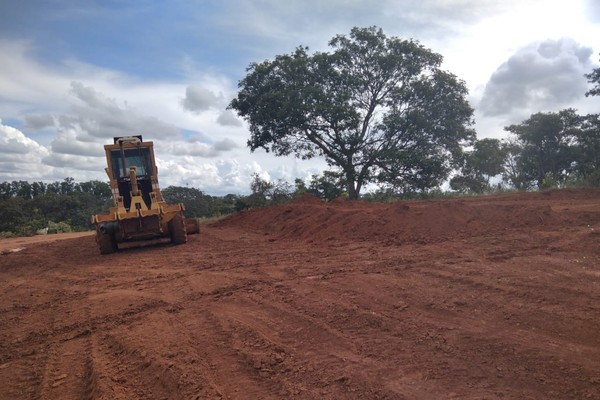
(493, 297)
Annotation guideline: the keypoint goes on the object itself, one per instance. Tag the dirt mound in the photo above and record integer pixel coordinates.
(410, 221)
(308, 199)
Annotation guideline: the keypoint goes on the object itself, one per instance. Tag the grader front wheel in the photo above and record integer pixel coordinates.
(177, 230)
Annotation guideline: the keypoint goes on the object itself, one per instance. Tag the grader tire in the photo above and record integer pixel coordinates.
(106, 243)
(177, 230)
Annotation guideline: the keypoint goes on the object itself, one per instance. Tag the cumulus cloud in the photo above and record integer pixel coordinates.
(74, 108)
(15, 145)
(70, 142)
(220, 177)
(198, 99)
(195, 148)
(102, 117)
(20, 156)
(541, 76)
(313, 21)
(39, 121)
(79, 167)
(228, 118)
(225, 145)
(234, 175)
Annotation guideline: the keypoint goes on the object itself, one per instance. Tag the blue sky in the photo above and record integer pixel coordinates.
(76, 73)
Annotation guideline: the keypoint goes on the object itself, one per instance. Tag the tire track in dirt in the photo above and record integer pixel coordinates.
(249, 340)
(292, 317)
(214, 359)
(58, 332)
(66, 373)
(436, 339)
(453, 303)
(124, 371)
(22, 376)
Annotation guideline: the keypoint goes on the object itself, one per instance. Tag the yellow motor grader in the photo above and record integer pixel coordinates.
(139, 211)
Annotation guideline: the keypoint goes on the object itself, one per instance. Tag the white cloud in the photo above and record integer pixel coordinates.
(219, 177)
(70, 142)
(225, 145)
(101, 117)
(228, 118)
(16, 145)
(81, 168)
(20, 156)
(93, 112)
(541, 76)
(24, 82)
(40, 121)
(198, 99)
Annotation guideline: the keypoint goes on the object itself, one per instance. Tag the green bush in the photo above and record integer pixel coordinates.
(59, 227)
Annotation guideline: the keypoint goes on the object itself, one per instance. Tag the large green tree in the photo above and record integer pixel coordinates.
(378, 108)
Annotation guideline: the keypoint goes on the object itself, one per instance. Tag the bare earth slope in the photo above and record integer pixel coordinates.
(479, 298)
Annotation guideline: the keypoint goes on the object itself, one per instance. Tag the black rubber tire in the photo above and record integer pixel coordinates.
(177, 229)
(106, 243)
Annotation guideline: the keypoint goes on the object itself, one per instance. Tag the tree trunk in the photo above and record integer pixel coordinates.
(352, 192)
(351, 183)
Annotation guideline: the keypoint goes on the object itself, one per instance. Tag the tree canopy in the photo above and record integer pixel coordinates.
(547, 143)
(594, 77)
(26, 207)
(378, 108)
(485, 161)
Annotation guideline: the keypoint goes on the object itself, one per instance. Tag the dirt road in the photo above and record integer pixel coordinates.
(477, 298)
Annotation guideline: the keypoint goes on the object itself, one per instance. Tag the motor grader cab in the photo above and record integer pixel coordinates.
(139, 211)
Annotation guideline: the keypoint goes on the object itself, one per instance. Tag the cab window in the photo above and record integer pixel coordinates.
(139, 157)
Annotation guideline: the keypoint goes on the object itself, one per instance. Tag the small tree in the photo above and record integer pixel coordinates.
(480, 165)
(514, 173)
(260, 189)
(265, 192)
(378, 108)
(328, 186)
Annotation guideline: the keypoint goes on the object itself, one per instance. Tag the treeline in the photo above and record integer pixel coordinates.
(64, 206)
(547, 150)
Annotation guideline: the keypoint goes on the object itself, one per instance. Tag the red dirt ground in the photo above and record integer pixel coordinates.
(492, 297)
